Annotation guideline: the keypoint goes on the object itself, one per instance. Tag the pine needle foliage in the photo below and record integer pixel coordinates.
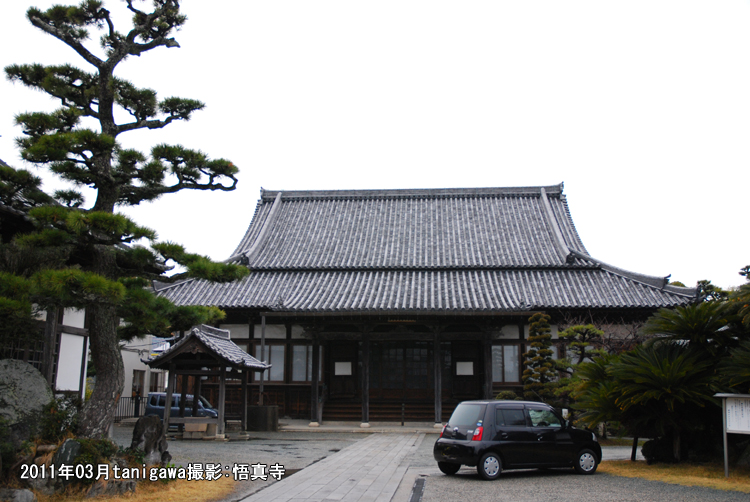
(90, 256)
(539, 376)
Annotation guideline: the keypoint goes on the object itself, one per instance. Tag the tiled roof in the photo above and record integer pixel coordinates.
(216, 340)
(487, 249)
(411, 291)
(409, 228)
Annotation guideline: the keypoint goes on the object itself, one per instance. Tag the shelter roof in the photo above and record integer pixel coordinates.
(216, 342)
(469, 249)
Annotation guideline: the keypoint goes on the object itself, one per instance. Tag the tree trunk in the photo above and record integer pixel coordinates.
(99, 412)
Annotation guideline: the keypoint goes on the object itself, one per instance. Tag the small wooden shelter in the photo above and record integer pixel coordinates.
(206, 351)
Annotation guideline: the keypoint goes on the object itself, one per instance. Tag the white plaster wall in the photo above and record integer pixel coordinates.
(297, 331)
(273, 331)
(74, 318)
(132, 353)
(237, 330)
(69, 362)
(132, 361)
(39, 315)
(509, 332)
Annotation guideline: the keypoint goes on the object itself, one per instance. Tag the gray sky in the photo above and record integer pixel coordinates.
(642, 108)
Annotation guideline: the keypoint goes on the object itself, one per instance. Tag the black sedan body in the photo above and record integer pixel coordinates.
(497, 435)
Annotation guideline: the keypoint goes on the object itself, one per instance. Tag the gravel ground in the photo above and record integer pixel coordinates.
(535, 486)
(551, 485)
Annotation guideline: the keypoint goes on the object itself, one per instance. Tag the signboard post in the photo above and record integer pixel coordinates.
(736, 410)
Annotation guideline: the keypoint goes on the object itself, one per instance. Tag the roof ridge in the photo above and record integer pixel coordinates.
(557, 236)
(261, 237)
(419, 268)
(650, 280)
(411, 192)
(224, 334)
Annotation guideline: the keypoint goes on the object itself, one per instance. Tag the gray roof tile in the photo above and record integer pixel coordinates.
(488, 249)
(425, 290)
(219, 342)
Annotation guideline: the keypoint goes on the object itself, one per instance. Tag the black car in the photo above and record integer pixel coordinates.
(497, 435)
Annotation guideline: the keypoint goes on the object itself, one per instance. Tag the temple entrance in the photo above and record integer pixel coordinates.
(401, 379)
(401, 371)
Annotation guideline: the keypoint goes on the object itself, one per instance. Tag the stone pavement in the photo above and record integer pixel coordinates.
(369, 470)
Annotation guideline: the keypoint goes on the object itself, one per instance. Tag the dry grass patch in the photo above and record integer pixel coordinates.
(158, 491)
(707, 476)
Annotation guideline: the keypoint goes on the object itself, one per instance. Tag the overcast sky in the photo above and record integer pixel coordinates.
(642, 108)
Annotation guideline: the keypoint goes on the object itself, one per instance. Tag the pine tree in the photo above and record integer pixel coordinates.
(539, 376)
(103, 268)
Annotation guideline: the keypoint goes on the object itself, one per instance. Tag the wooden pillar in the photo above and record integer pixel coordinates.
(314, 412)
(487, 345)
(199, 386)
(365, 381)
(437, 365)
(262, 351)
(523, 347)
(196, 394)
(168, 400)
(222, 395)
(82, 379)
(183, 395)
(243, 399)
(50, 337)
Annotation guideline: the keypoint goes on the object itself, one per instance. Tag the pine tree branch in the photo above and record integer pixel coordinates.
(143, 124)
(67, 39)
(110, 25)
(145, 23)
(210, 185)
(136, 49)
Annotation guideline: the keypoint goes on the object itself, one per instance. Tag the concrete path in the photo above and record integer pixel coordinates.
(369, 470)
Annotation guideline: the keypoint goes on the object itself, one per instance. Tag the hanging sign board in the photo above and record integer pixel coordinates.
(736, 409)
(738, 415)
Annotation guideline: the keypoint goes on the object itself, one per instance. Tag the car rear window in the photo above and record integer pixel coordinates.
(510, 418)
(467, 415)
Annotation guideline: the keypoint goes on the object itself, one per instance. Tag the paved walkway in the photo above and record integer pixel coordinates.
(369, 470)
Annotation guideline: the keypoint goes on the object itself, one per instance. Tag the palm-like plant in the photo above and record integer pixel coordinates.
(660, 384)
(736, 368)
(703, 325)
(653, 390)
(740, 300)
(597, 392)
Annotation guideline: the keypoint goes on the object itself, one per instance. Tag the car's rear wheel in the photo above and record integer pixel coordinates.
(585, 462)
(490, 466)
(448, 469)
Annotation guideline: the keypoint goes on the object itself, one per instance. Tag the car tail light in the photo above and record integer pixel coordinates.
(477, 434)
(442, 433)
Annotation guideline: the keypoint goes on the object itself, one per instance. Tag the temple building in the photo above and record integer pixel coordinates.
(374, 305)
